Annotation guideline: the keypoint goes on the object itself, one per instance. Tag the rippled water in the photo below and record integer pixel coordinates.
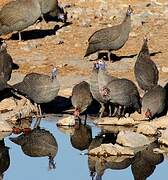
(70, 164)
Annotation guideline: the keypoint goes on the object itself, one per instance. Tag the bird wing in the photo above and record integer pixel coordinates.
(121, 91)
(12, 13)
(150, 75)
(27, 87)
(104, 34)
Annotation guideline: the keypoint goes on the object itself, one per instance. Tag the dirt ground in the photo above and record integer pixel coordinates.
(66, 48)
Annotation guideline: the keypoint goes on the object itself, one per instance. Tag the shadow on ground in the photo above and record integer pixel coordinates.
(63, 105)
(38, 34)
(114, 57)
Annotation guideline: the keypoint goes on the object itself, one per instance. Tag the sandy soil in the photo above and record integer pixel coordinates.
(44, 48)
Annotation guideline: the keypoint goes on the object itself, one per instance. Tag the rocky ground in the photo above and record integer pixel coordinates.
(65, 48)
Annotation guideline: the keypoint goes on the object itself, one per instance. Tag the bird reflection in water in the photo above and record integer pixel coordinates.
(38, 143)
(145, 162)
(142, 164)
(4, 158)
(81, 137)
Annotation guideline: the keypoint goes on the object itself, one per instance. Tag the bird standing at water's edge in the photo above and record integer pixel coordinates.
(81, 98)
(154, 102)
(39, 88)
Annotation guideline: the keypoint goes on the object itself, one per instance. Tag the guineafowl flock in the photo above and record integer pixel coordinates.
(120, 95)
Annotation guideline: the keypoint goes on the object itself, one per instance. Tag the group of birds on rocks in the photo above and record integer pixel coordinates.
(120, 95)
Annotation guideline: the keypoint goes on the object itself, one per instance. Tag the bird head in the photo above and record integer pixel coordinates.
(145, 50)
(148, 114)
(62, 16)
(104, 91)
(96, 66)
(129, 11)
(53, 72)
(101, 64)
(76, 112)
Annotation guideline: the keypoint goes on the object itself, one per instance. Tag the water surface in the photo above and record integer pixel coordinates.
(70, 164)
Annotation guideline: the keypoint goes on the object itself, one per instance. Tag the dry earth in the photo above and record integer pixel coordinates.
(42, 48)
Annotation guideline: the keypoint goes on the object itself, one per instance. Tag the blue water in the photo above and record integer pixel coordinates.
(70, 164)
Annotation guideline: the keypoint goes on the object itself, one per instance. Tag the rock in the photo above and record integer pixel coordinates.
(160, 123)
(132, 139)
(164, 137)
(111, 150)
(66, 130)
(165, 69)
(65, 92)
(7, 104)
(115, 129)
(4, 134)
(5, 127)
(133, 34)
(147, 129)
(137, 117)
(115, 121)
(23, 108)
(66, 121)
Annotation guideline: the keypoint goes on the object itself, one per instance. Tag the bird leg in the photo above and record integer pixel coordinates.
(80, 120)
(40, 113)
(123, 111)
(110, 111)
(115, 111)
(85, 118)
(101, 110)
(39, 116)
(109, 56)
(43, 18)
(20, 37)
(120, 108)
(52, 164)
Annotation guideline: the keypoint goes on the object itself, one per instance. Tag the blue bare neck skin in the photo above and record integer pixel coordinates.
(102, 66)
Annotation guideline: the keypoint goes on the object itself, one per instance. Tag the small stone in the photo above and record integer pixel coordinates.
(66, 130)
(165, 69)
(67, 121)
(111, 150)
(115, 121)
(5, 127)
(164, 137)
(147, 129)
(4, 134)
(133, 34)
(132, 139)
(160, 123)
(7, 104)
